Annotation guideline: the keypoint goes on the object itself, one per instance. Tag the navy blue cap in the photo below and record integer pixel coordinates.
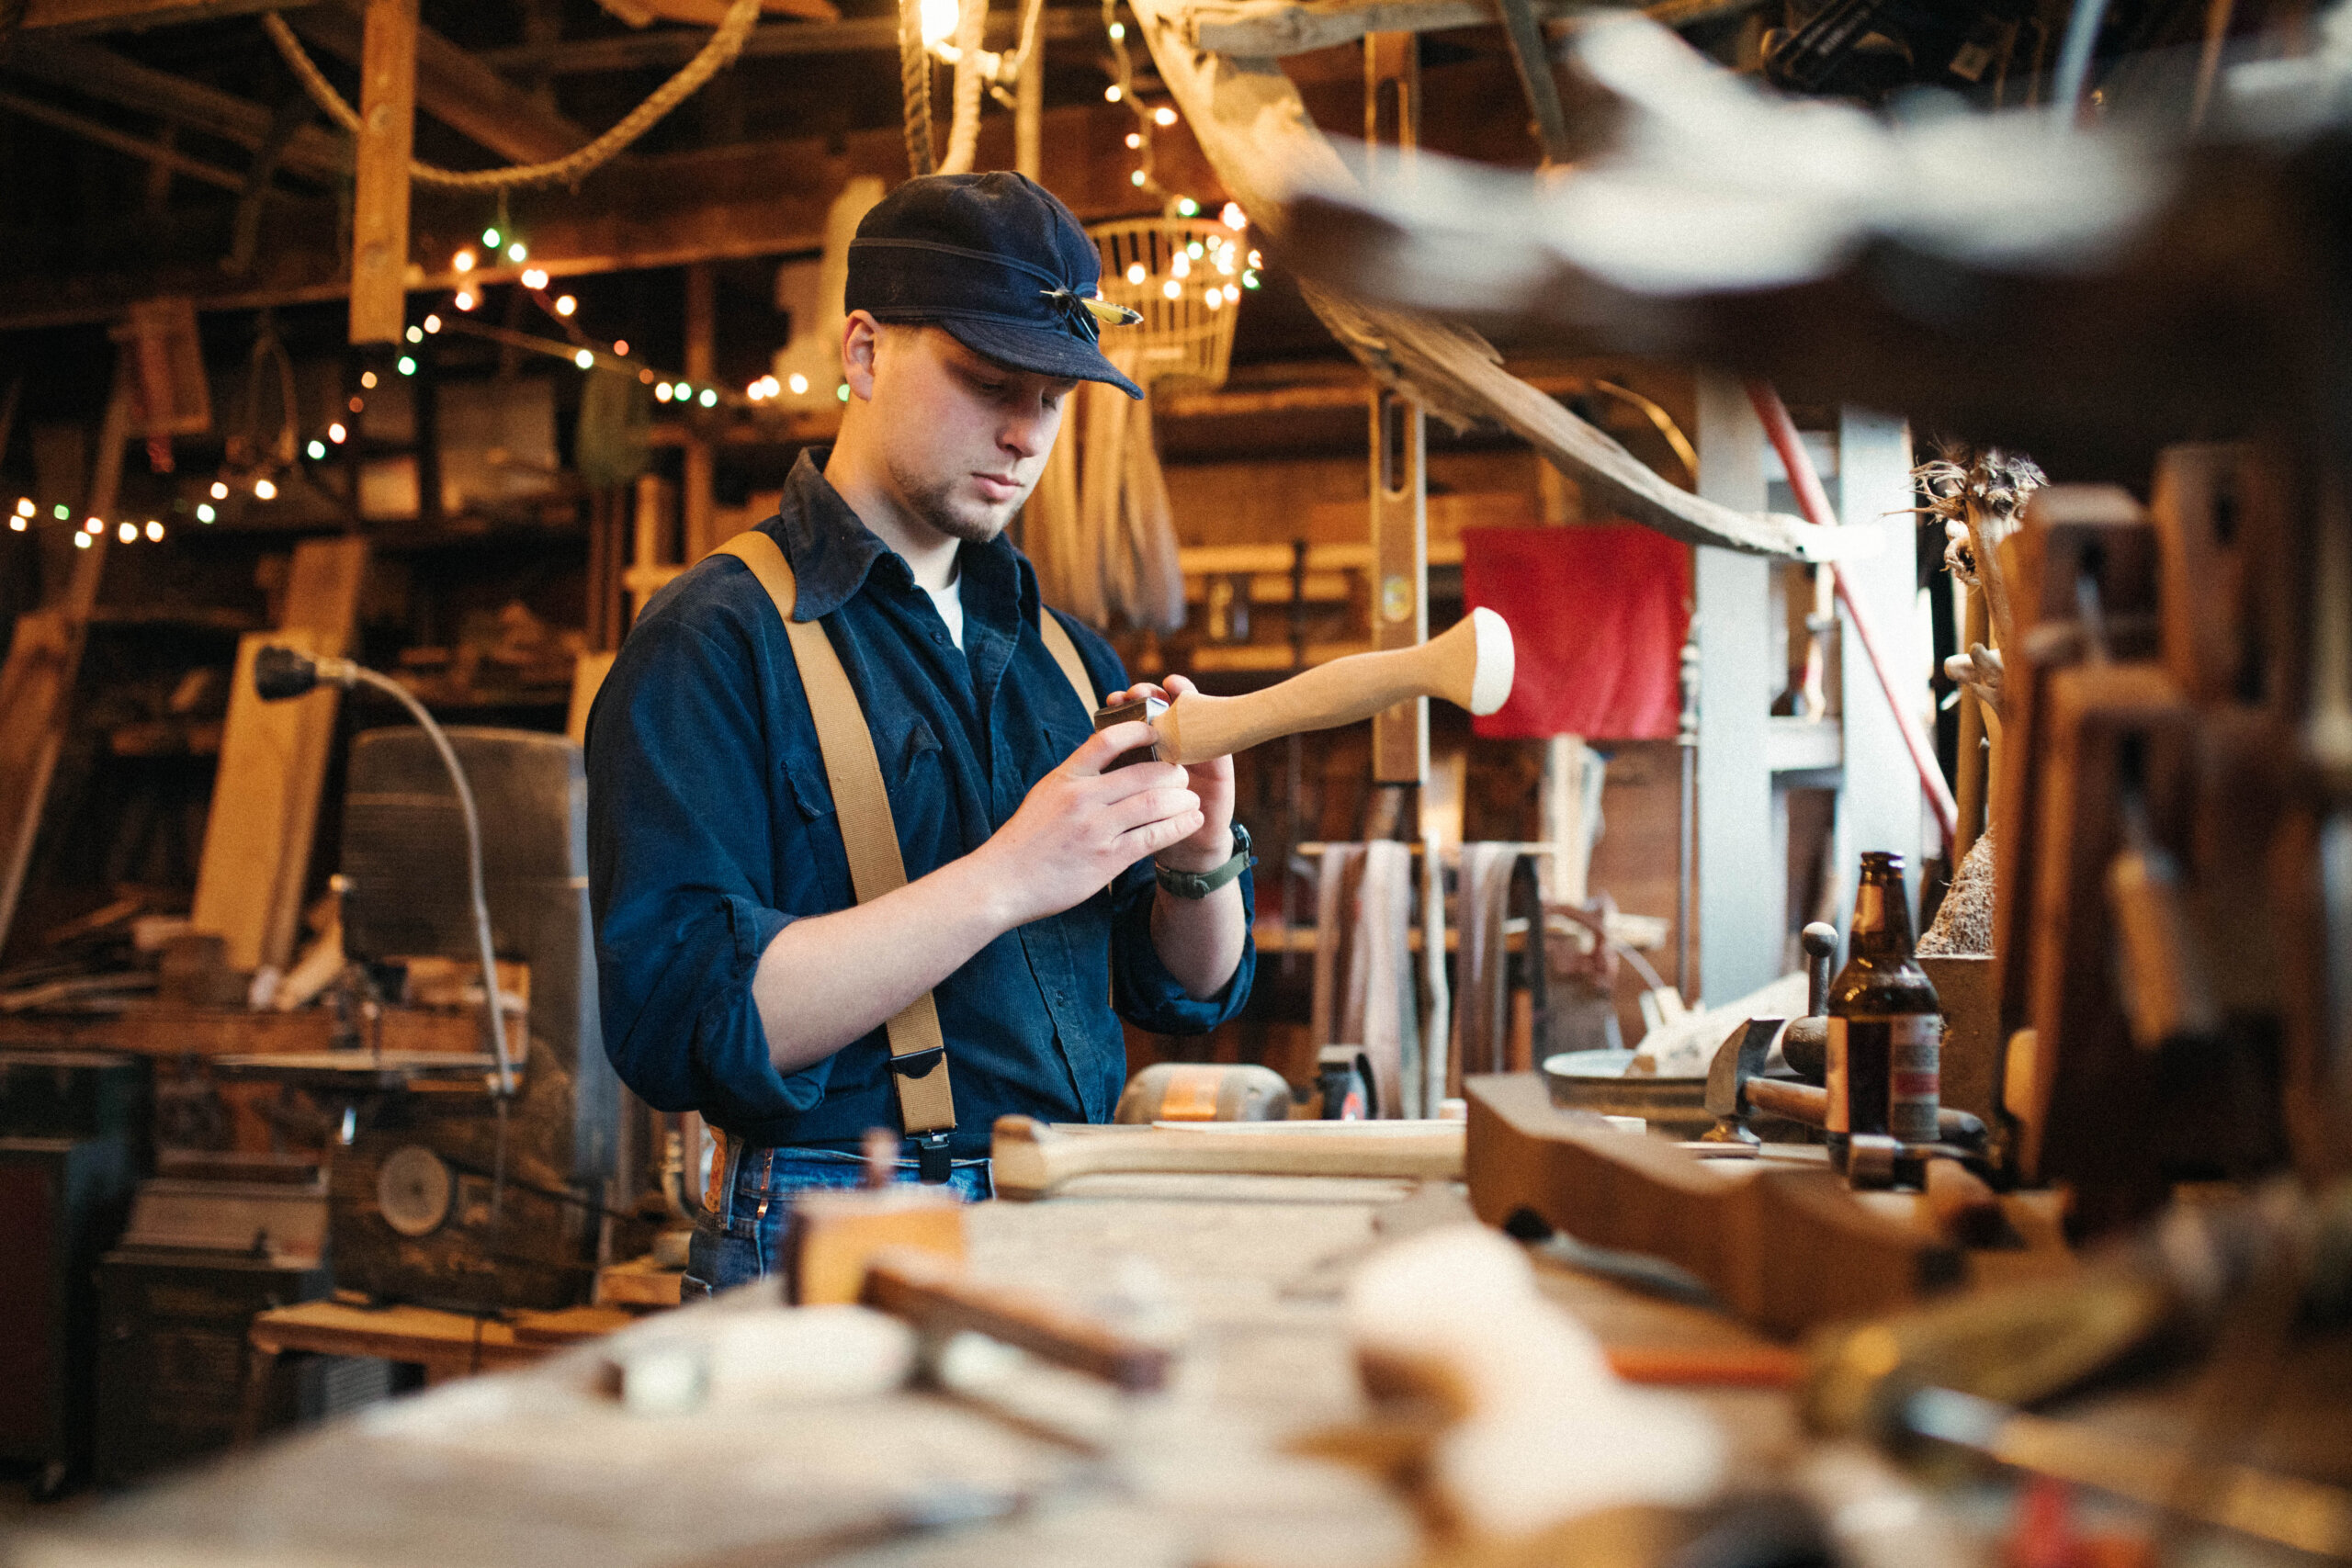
(996, 261)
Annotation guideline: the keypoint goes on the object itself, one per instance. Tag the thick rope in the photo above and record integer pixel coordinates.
(964, 127)
(914, 88)
(725, 42)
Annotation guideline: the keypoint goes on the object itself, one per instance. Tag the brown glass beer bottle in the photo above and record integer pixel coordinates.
(1886, 1024)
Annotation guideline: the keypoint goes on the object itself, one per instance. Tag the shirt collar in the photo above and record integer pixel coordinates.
(833, 552)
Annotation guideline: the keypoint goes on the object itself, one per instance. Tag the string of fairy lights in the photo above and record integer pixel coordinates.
(1223, 265)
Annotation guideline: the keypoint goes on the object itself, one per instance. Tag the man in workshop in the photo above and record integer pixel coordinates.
(1047, 892)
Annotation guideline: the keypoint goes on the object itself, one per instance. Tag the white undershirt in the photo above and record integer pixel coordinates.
(950, 600)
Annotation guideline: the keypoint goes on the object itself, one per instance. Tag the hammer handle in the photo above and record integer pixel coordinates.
(924, 1291)
(1196, 727)
(1803, 1102)
(1031, 1158)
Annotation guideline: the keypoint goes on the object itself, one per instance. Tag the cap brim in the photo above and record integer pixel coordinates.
(1048, 351)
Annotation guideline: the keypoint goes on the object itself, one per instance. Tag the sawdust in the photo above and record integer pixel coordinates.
(1964, 923)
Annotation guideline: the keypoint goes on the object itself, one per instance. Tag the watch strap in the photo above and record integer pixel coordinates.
(1201, 884)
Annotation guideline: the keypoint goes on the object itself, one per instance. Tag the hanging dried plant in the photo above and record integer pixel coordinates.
(1978, 494)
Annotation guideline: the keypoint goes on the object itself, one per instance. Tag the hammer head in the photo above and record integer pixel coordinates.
(1740, 1057)
(1147, 709)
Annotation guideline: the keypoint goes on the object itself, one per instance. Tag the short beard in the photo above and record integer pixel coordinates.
(930, 503)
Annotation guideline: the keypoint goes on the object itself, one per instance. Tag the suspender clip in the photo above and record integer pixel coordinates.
(931, 1166)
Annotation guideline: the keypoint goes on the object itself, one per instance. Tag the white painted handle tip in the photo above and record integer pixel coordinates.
(1490, 677)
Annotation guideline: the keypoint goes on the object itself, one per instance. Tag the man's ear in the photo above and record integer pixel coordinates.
(861, 345)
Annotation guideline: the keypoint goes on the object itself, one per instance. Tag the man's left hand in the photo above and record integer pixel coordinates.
(1212, 781)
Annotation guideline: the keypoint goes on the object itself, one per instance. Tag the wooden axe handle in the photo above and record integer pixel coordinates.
(1030, 1158)
(1470, 666)
(924, 1290)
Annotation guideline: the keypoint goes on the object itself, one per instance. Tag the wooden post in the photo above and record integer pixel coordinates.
(379, 204)
(702, 318)
(1400, 618)
(1029, 107)
(1740, 890)
(1974, 766)
(1879, 805)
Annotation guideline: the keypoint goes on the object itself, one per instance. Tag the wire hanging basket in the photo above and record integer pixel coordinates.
(1183, 275)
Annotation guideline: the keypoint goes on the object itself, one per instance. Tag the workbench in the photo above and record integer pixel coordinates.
(541, 1465)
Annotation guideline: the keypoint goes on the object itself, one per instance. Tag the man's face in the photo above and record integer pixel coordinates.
(962, 438)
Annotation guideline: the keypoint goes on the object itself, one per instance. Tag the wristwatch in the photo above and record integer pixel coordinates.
(1201, 884)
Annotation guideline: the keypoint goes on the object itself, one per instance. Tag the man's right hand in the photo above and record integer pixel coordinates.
(1079, 827)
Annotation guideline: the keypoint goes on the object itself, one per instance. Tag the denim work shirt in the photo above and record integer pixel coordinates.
(710, 828)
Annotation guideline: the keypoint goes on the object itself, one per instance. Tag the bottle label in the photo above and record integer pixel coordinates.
(1915, 1076)
(1884, 1074)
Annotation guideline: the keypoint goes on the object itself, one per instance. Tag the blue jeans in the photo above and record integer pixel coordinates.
(751, 1236)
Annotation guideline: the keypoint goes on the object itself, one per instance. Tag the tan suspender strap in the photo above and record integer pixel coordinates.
(862, 808)
(1065, 654)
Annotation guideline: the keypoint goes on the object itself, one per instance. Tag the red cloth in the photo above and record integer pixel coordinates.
(1598, 615)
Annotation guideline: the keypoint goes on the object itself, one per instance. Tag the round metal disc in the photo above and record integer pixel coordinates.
(412, 1191)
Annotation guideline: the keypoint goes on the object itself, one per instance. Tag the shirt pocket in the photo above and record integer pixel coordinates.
(810, 792)
(923, 805)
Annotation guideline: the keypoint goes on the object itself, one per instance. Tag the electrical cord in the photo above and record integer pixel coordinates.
(725, 42)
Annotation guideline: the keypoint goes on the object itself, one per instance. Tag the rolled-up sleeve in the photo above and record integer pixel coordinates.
(681, 862)
(1142, 990)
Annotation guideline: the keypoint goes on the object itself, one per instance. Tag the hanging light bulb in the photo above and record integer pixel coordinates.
(63, 512)
(1135, 178)
(356, 404)
(1135, 274)
(1187, 207)
(491, 237)
(1195, 250)
(1117, 31)
(1214, 298)
(265, 489)
(220, 490)
(24, 506)
(204, 513)
(1180, 265)
(17, 523)
(584, 360)
(464, 300)
(565, 305)
(127, 533)
(368, 379)
(1134, 140)
(81, 541)
(516, 250)
(535, 278)
(798, 383)
(709, 397)
(92, 526)
(433, 323)
(406, 366)
(416, 335)
(1232, 216)
(620, 347)
(463, 262)
(317, 450)
(662, 393)
(939, 18)
(154, 531)
(1173, 289)
(336, 433)
(1163, 115)
(1113, 93)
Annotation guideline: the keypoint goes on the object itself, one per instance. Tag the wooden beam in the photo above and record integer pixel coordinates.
(101, 74)
(702, 355)
(455, 88)
(762, 199)
(674, 47)
(379, 205)
(153, 153)
(117, 15)
(1266, 30)
(1399, 443)
(1255, 130)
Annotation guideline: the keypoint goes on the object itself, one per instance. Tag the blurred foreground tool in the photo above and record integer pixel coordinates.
(1031, 1157)
(899, 1248)
(1785, 1247)
(2240, 1274)
(2293, 1512)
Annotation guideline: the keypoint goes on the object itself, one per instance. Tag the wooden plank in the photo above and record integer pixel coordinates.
(1399, 477)
(455, 88)
(380, 203)
(702, 356)
(102, 74)
(44, 658)
(110, 15)
(272, 765)
(211, 1032)
(1255, 130)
